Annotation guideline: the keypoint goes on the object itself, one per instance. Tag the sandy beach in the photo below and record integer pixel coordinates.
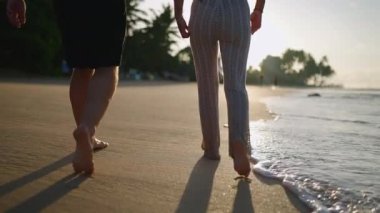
(153, 164)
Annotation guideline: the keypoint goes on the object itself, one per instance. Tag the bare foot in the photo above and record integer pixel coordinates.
(83, 153)
(98, 144)
(241, 158)
(211, 154)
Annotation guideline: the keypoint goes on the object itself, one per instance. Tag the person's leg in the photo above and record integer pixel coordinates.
(80, 80)
(234, 47)
(100, 91)
(204, 49)
(78, 94)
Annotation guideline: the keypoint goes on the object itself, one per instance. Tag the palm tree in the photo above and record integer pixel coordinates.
(149, 47)
(162, 28)
(160, 35)
(325, 70)
(134, 16)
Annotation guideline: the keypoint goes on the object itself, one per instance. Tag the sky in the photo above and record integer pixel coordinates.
(346, 31)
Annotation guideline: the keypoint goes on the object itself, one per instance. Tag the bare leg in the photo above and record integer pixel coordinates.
(78, 94)
(80, 80)
(101, 88)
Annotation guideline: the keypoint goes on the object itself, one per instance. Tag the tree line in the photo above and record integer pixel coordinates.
(293, 68)
(149, 43)
(149, 48)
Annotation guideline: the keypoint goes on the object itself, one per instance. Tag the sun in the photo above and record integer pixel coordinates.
(269, 40)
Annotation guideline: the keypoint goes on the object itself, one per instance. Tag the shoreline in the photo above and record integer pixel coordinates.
(153, 163)
(300, 169)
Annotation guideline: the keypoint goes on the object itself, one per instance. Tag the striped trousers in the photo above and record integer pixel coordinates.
(227, 23)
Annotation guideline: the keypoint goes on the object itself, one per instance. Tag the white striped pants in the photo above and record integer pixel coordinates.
(226, 22)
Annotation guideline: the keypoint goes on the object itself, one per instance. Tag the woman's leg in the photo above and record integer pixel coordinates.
(234, 47)
(100, 91)
(80, 80)
(204, 47)
(237, 104)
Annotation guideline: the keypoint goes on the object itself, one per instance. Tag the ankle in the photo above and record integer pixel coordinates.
(85, 129)
(238, 149)
(213, 146)
(212, 155)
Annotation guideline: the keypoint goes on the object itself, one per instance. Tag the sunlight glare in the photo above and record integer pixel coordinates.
(269, 40)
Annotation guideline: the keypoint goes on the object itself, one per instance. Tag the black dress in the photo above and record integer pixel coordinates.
(92, 31)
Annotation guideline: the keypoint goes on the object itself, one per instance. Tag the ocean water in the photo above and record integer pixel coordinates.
(325, 149)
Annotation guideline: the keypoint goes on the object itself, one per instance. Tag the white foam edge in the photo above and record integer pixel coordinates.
(263, 168)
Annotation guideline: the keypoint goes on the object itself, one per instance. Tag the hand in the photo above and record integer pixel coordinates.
(255, 21)
(16, 10)
(182, 27)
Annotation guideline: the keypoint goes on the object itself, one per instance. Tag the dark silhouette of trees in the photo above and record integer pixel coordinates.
(325, 70)
(271, 68)
(150, 37)
(159, 35)
(134, 17)
(150, 48)
(36, 47)
(295, 67)
(185, 64)
(254, 76)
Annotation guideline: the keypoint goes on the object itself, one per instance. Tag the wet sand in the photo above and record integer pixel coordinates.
(153, 164)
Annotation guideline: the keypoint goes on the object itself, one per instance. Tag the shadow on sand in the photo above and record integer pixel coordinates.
(17, 183)
(197, 193)
(198, 190)
(243, 198)
(41, 200)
